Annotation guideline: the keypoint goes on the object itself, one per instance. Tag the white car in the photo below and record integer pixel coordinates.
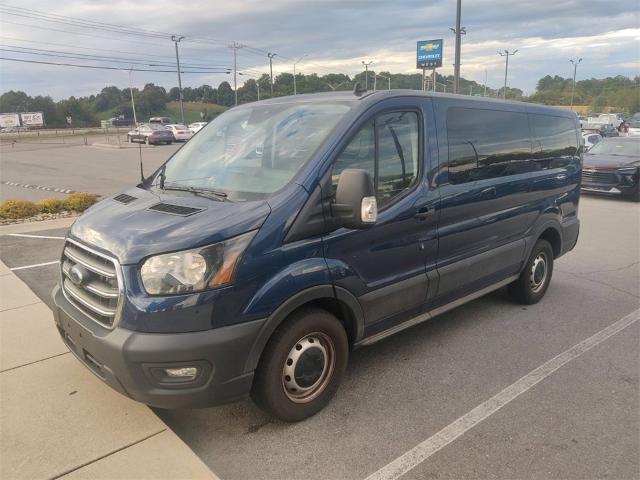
(634, 128)
(180, 132)
(197, 126)
(590, 139)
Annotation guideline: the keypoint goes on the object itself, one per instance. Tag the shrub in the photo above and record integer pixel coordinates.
(80, 201)
(51, 205)
(18, 209)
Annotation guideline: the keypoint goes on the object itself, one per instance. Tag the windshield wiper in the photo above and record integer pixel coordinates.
(205, 192)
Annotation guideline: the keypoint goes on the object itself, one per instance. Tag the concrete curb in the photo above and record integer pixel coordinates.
(27, 227)
(58, 421)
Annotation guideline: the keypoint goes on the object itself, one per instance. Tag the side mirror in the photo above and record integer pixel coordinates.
(355, 205)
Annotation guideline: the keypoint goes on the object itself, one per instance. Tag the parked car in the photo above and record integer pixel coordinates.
(161, 120)
(197, 126)
(292, 230)
(613, 167)
(609, 131)
(590, 139)
(180, 132)
(150, 133)
(634, 128)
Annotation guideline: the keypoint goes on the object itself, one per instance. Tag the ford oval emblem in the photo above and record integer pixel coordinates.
(77, 275)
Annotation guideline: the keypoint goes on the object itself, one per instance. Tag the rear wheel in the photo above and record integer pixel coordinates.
(534, 280)
(302, 365)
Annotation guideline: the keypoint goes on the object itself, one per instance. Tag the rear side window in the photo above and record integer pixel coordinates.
(556, 141)
(388, 149)
(487, 144)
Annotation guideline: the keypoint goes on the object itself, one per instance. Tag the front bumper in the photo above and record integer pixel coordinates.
(126, 360)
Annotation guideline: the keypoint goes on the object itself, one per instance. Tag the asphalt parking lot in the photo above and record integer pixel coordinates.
(580, 421)
(92, 169)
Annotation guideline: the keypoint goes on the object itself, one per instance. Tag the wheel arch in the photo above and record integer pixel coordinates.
(337, 301)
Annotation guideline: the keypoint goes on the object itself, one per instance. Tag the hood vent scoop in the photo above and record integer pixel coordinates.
(175, 209)
(124, 198)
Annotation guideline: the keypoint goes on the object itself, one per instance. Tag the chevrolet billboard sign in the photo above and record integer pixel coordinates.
(429, 54)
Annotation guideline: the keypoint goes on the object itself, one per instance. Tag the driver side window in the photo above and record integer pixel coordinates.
(387, 147)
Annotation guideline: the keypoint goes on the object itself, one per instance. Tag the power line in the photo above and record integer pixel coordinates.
(82, 56)
(101, 67)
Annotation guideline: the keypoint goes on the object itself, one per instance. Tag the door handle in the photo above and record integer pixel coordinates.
(561, 177)
(488, 192)
(423, 213)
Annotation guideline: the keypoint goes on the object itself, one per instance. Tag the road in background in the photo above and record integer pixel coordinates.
(580, 422)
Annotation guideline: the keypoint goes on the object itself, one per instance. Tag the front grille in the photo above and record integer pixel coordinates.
(600, 178)
(94, 284)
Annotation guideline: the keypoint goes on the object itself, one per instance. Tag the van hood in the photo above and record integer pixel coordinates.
(609, 161)
(138, 222)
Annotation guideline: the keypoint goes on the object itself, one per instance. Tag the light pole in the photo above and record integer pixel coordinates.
(271, 55)
(133, 105)
(575, 70)
(484, 94)
(295, 91)
(507, 54)
(366, 74)
(176, 39)
(459, 31)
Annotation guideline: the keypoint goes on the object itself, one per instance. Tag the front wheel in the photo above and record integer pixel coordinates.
(534, 280)
(302, 365)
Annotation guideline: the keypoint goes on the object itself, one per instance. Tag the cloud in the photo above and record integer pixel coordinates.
(335, 34)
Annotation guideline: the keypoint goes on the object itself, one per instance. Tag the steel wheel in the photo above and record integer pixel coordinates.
(538, 273)
(308, 367)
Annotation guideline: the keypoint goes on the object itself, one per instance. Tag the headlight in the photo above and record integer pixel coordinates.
(628, 170)
(194, 270)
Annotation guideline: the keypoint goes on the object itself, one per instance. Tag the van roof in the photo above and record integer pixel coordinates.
(371, 95)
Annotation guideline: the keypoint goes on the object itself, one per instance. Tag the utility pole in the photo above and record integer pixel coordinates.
(366, 74)
(176, 39)
(235, 46)
(484, 94)
(133, 105)
(295, 90)
(459, 31)
(271, 55)
(575, 70)
(506, 54)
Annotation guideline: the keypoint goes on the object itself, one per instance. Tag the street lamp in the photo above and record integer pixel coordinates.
(575, 70)
(176, 39)
(295, 91)
(506, 69)
(459, 31)
(366, 74)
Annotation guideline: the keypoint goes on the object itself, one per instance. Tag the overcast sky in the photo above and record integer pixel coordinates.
(335, 35)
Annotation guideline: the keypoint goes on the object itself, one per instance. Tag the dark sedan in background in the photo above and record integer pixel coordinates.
(613, 167)
(150, 133)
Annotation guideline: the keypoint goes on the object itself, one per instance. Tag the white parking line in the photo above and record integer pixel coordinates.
(451, 432)
(25, 235)
(34, 266)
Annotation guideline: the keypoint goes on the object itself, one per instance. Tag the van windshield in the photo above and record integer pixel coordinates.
(253, 151)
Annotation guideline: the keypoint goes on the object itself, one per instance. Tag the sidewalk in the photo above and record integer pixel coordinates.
(58, 421)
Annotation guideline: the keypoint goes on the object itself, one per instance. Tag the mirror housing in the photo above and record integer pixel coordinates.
(355, 205)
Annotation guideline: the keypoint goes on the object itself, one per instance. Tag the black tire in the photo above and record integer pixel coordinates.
(275, 391)
(534, 280)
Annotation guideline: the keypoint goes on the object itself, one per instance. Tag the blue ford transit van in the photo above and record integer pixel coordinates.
(289, 231)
